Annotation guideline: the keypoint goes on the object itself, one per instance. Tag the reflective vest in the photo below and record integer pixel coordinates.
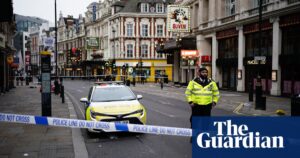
(200, 95)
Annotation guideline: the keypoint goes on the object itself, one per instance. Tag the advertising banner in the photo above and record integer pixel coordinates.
(246, 137)
(92, 43)
(49, 42)
(178, 18)
(27, 58)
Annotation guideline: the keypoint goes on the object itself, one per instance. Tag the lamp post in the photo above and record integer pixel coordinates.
(55, 40)
(114, 54)
(260, 102)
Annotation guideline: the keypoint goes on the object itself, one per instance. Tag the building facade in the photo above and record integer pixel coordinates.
(7, 50)
(71, 42)
(37, 36)
(96, 24)
(27, 25)
(227, 33)
(135, 28)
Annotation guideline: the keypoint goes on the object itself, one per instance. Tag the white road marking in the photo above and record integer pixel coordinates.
(78, 90)
(172, 116)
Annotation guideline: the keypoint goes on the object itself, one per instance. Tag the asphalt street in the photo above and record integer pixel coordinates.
(165, 107)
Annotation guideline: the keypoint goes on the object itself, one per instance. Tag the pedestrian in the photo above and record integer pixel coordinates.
(142, 79)
(21, 79)
(56, 87)
(133, 78)
(161, 83)
(202, 94)
(17, 78)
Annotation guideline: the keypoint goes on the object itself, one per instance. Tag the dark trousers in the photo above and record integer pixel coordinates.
(201, 110)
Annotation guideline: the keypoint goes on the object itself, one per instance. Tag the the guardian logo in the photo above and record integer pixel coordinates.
(230, 135)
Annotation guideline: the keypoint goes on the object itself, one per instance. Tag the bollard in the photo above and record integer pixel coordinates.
(133, 81)
(250, 92)
(295, 105)
(260, 101)
(62, 94)
(258, 97)
(60, 85)
(161, 84)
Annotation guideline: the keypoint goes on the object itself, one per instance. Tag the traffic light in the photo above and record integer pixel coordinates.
(114, 65)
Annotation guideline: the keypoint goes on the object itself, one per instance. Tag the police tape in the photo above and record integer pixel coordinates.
(105, 126)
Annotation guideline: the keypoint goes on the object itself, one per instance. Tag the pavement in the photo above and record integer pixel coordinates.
(23, 140)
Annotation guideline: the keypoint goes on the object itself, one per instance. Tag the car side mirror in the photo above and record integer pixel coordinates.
(83, 100)
(139, 97)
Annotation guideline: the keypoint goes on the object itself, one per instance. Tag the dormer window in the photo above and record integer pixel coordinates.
(159, 8)
(144, 7)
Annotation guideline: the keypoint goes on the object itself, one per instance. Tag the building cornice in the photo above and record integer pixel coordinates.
(251, 19)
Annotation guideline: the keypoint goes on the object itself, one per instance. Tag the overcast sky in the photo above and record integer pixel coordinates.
(45, 8)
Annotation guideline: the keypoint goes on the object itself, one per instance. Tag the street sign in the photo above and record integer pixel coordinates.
(260, 58)
(46, 83)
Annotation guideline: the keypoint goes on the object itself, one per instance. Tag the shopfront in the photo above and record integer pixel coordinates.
(189, 61)
(183, 69)
(149, 69)
(93, 67)
(289, 60)
(228, 57)
(253, 67)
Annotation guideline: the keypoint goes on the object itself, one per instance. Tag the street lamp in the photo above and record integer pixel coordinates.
(55, 40)
(259, 102)
(113, 64)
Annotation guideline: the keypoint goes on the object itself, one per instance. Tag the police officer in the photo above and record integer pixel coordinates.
(202, 94)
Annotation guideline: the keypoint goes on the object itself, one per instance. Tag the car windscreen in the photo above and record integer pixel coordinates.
(112, 94)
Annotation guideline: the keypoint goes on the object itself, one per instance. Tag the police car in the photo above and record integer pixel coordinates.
(113, 102)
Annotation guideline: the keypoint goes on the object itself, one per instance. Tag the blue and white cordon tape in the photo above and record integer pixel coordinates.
(105, 126)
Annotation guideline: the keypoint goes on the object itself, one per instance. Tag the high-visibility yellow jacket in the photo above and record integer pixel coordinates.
(200, 95)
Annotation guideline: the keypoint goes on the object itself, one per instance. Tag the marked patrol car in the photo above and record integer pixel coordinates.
(113, 102)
